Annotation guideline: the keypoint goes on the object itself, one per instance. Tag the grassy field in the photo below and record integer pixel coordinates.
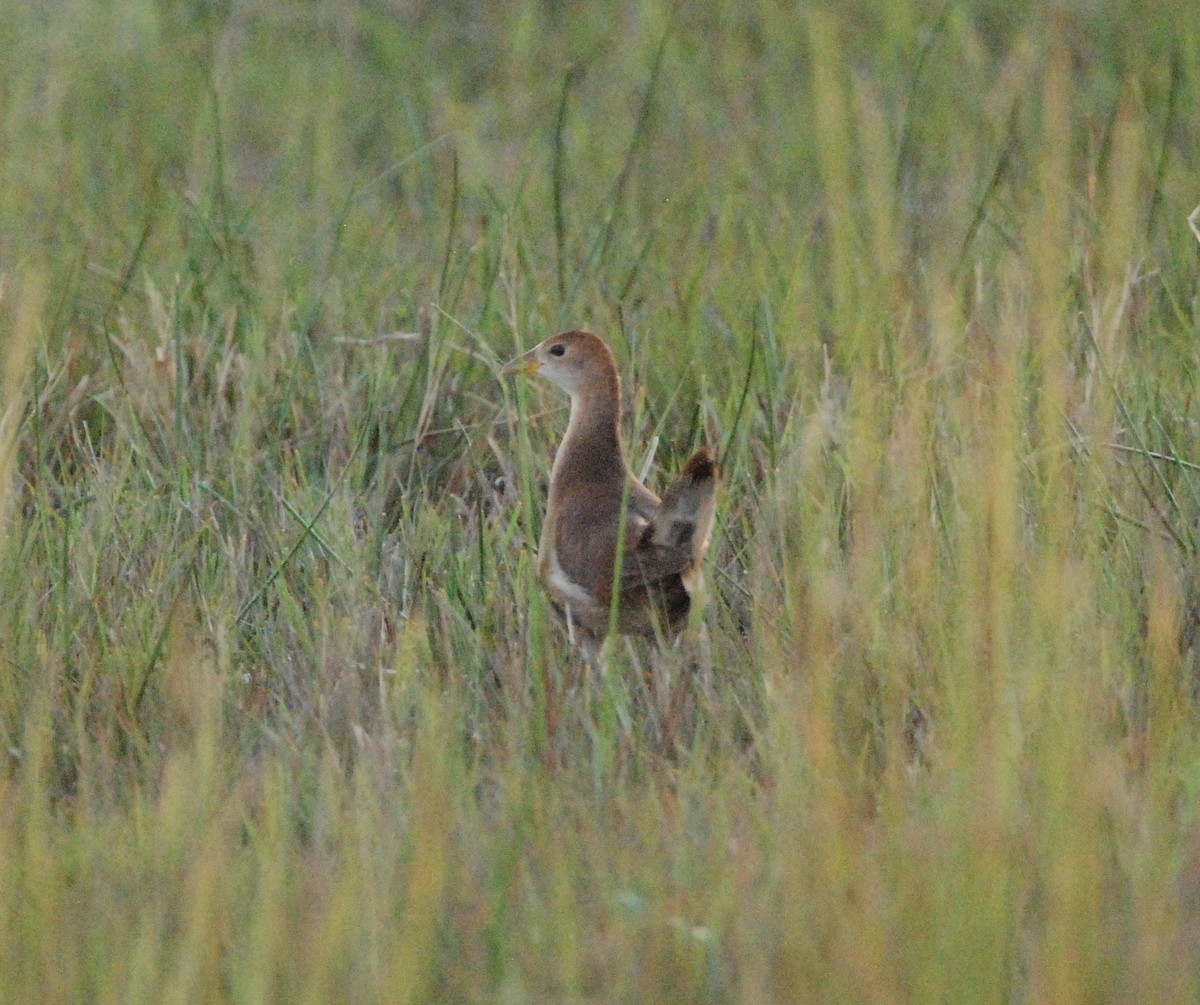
(283, 714)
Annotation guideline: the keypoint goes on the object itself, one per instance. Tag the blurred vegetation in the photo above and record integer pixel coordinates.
(283, 713)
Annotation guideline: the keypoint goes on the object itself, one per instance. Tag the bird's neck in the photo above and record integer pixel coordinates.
(591, 448)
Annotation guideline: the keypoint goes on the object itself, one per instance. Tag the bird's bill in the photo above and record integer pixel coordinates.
(527, 364)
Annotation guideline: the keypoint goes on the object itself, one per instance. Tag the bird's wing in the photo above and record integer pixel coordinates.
(650, 563)
(676, 537)
(685, 517)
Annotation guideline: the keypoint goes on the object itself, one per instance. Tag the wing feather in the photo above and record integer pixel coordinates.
(677, 536)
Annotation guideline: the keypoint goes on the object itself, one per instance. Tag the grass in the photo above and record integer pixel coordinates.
(284, 716)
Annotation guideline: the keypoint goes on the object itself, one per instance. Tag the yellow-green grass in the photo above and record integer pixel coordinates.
(284, 715)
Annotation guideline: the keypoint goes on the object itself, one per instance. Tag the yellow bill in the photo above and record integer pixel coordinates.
(527, 364)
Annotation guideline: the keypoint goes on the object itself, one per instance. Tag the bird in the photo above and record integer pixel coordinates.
(598, 508)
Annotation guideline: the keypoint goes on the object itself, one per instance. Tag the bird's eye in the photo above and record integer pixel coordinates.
(558, 350)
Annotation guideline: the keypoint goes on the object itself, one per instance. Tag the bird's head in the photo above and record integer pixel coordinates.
(578, 362)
